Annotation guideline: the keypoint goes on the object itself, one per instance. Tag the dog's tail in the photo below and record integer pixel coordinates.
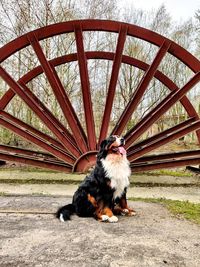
(65, 212)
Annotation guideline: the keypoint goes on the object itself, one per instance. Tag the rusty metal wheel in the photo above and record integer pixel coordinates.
(71, 146)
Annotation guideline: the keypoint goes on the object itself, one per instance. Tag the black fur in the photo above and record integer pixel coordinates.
(66, 211)
(96, 184)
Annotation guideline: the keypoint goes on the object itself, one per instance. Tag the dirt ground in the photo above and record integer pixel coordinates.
(152, 238)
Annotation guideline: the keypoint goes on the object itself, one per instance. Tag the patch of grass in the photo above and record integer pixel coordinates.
(186, 209)
(167, 172)
(39, 181)
(27, 169)
(162, 172)
(70, 181)
(189, 210)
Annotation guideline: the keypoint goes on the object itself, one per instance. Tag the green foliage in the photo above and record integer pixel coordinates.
(168, 172)
(181, 209)
(188, 210)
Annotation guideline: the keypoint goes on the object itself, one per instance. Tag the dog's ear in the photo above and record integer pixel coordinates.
(103, 145)
(103, 150)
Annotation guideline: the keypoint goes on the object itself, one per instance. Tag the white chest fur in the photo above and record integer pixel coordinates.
(118, 171)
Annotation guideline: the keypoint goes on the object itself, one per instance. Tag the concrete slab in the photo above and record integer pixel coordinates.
(191, 194)
(153, 238)
(22, 175)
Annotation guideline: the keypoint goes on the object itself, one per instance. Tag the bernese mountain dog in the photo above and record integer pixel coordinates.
(102, 194)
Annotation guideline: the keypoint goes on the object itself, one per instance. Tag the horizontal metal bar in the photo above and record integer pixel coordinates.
(23, 151)
(33, 162)
(158, 136)
(36, 155)
(164, 165)
(146, 149)
(50, 140)
(168, 156)
(17, 211)
(39, 142)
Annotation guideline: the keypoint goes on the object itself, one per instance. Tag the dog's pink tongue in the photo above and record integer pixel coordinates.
(122, 150)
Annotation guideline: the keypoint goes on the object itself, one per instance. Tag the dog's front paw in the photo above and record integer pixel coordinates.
(132, 213)
(124, 212)
(104, 218)
(113, 219)
(128, 212)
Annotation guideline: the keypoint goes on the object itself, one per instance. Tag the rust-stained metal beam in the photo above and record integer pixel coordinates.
(139, 92)
(25, 152)
(138, 152)
(33, 104)
(85, 86)
(37, 155)
(34, 162)
(109, 56)
(165, 164)
(40, 135)
(60, 94)
(37, 141)
(162, 157)
(159, 136)
(167, 103)
(7, 97)
(113, 82)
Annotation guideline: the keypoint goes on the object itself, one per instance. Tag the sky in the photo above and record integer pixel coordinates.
(178, 9)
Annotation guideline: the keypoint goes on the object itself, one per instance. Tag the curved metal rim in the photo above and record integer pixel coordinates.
(85, 145)
(100, 25)
(104, 56)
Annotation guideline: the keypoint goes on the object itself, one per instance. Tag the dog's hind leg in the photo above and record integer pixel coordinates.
(92, 200)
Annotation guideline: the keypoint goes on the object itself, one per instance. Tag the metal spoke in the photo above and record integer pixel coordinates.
(165, 164)
(166, 157)
(159, 136)
(139, 92)
(22, 125)
(33, 104)
(35, 162)
(113, 82)
(9, 124)
(73, 149)
(165, 105)
(60, 94)
(138, 152)
(85, 86)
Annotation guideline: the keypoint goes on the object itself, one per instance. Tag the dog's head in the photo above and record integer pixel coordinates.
(113, 144)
